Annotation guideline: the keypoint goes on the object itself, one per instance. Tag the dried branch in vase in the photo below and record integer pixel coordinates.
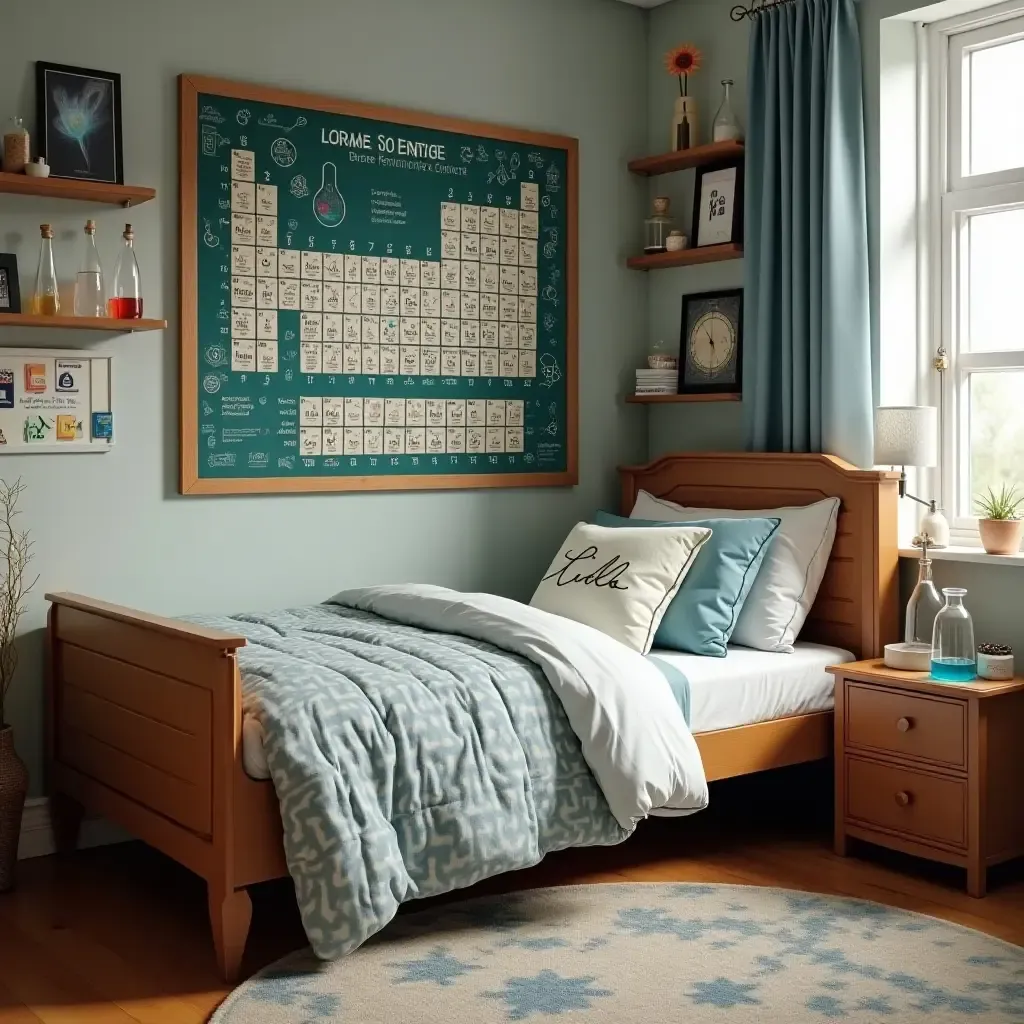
(13, 590)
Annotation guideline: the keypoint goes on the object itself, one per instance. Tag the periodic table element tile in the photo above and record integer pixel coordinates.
(266, 230)
(410, 301)
(394, 412)
(371, 359)
(451, 362)
(243, 164)
(287, 293)
(390, 299)
(488, 306)
(266, 261)
(490, 362)
(470, 276)
(451, 333)
(415, 440)
(373, 440)
(389, 361)
(370, 299)
(311, 411)
(529, 224)
(410, 273)
(430, 362)
(451, 246)
(243, 197)
(430, 274)
(311, 357)
(266, 324)
(266, 355)
(243, 291)
(311, 327)
(312, 266)
(289, 263)
(390, 270)
(527, 309)
(353, 440)
(353, 329)
(490, 220)
(495, 412)
(266, 200)
(353, 412)
(514, 412)
(243, 229)
(334, 327)
(311, 441)
(509, 222)
(243, 260)
(527, 281)
(508, 308)
(386, 328)
(469, 334)
(435, 412)
(394, 440)
(509, 251)
(513, 439)
(430, 331)
(450, 305)
(334, 412)
(470, 362)
(430, 302)
(470, 218)
(528, 336)
(475, 440)
(476, 412)
(334, 266)
(353, 268)
(455, 412)
(451, 217)
(409, 333)
(495, 440)
(490, 277)
(529, 196)
(489, 248)
(333, 441)
(353, 298)
(334, 296)
(489, 333)
(469, 305)
(334, 358)
(436, 440)
(370, 266)
(266, 293)
(527, 252)
(527, 363)
(509, 280)
(312, 295)
(373, 412)
(470, 245)
(451, 273)
(353, 357)
(455, 440)
(410, 360)
(510, 362)
(243, 322)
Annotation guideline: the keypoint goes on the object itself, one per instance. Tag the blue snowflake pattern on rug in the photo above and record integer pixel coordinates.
(438, 966)
(547, 993)
(724, 994)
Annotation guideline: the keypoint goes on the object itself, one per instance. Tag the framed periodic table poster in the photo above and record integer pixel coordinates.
(372, 298)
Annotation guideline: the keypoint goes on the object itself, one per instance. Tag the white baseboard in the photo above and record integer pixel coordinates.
(36, 838)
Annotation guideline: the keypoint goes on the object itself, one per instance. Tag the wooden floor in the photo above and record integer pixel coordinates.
(120, 933)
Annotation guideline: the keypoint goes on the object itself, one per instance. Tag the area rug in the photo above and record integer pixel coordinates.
(649, 953)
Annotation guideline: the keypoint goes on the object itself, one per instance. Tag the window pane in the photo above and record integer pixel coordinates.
(996, 431)
(996, 281)
(997, 83)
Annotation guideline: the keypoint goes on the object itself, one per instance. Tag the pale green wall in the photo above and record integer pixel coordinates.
(113, 525)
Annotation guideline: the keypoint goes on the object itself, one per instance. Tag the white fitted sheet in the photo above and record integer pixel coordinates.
(744, 687)
(748, 686)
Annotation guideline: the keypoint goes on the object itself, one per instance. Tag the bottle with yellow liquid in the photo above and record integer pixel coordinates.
(46, 298)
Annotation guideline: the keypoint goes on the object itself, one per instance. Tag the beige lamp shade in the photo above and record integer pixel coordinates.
(906, 435)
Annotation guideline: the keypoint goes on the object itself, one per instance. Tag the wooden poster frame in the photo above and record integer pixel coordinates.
(190, 482)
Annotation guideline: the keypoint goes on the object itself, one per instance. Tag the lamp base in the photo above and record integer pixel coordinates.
(936, 528)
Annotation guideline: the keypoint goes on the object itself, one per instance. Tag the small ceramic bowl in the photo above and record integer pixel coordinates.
(676, 240)
(37, 168)
(995, 666)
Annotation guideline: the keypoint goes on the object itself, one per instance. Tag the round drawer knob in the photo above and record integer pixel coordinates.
(905, 724)
(903, 798)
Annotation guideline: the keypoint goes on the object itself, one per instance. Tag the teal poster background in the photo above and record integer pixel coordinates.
(294, 381)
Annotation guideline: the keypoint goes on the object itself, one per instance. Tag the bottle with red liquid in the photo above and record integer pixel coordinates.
(125, 302)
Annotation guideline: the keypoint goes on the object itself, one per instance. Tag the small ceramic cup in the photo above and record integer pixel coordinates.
(995, 666)
(37, 168)
(676, 240)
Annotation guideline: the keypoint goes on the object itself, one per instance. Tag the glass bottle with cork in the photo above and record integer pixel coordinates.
(89, 298)
(125, 301)
(46, 297)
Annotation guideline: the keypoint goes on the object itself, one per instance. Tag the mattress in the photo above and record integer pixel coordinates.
(744, 687)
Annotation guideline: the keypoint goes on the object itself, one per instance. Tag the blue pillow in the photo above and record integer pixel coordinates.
(705, 610)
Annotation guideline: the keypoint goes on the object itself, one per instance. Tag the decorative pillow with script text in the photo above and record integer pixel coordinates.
(620, 581)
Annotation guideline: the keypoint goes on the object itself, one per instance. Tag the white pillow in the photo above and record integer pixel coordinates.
(619, 581)
(790, 575)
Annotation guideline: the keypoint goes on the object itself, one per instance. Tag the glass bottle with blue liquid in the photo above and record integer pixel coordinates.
(953, 651)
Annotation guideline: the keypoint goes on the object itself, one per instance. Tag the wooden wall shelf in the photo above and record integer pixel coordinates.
(665, 399)
(680, 160)
(686, 257)
(81, 323)
(68, 188)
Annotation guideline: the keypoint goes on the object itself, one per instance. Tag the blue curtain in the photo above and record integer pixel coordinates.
(807, 369)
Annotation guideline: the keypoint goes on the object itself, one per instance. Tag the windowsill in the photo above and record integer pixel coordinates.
(964, 554)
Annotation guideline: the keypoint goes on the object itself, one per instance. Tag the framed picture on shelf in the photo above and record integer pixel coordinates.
(78, 115)
(10, 293)
(711, 343)
(718, 204)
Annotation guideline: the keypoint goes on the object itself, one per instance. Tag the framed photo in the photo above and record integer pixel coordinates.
(718, 204)
(10, 293)
(79, 122)
(711, 343)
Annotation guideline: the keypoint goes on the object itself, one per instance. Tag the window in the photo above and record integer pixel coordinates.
(977, 79)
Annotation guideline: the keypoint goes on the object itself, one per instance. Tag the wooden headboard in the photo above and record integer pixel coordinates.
(857, 607)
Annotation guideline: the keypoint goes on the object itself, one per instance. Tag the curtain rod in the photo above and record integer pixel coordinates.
(739, 12)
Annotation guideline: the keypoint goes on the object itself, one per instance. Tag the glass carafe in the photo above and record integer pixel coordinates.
(924, 604)
(726, 126)
(954, 658)
(89, 298)
(125, 302)
(328, 205)
(46, 297)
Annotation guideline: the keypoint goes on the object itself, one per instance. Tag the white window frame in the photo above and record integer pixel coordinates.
(949, 200)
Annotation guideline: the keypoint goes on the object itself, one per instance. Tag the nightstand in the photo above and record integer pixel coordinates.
(932, 769)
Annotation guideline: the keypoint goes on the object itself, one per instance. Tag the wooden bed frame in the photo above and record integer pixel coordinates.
(144, 719)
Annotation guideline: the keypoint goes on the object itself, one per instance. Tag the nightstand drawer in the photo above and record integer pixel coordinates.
(902, 800)
(929, 728)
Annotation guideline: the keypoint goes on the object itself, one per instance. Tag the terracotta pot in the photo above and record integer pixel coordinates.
(1001, 536)
(13, 787)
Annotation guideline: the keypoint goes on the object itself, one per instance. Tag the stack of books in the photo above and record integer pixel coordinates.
(656, 382)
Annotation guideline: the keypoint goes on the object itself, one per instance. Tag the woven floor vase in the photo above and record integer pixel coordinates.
(13, 787)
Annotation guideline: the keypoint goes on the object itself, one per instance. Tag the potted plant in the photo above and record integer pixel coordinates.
(999, 520)
(13, 590)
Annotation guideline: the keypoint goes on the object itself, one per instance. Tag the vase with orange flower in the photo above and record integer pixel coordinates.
(682, 62)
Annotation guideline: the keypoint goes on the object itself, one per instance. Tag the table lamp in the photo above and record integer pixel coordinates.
(908, 435)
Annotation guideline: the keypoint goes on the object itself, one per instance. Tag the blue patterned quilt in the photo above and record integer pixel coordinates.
(407, 762)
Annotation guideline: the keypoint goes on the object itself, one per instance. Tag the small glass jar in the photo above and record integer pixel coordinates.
(954, 656)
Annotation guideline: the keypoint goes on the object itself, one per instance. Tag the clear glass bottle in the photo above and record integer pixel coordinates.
(726, 126)
(125, 302)
(16, 147)
(924, 603)
(46, 297)
(954, 657)
(89, 298)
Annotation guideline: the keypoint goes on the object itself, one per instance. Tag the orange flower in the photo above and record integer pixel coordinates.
(683, 60)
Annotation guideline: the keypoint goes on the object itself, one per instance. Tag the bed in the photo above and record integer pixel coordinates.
(144, 714)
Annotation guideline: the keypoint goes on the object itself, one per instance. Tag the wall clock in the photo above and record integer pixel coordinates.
(711, 342)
